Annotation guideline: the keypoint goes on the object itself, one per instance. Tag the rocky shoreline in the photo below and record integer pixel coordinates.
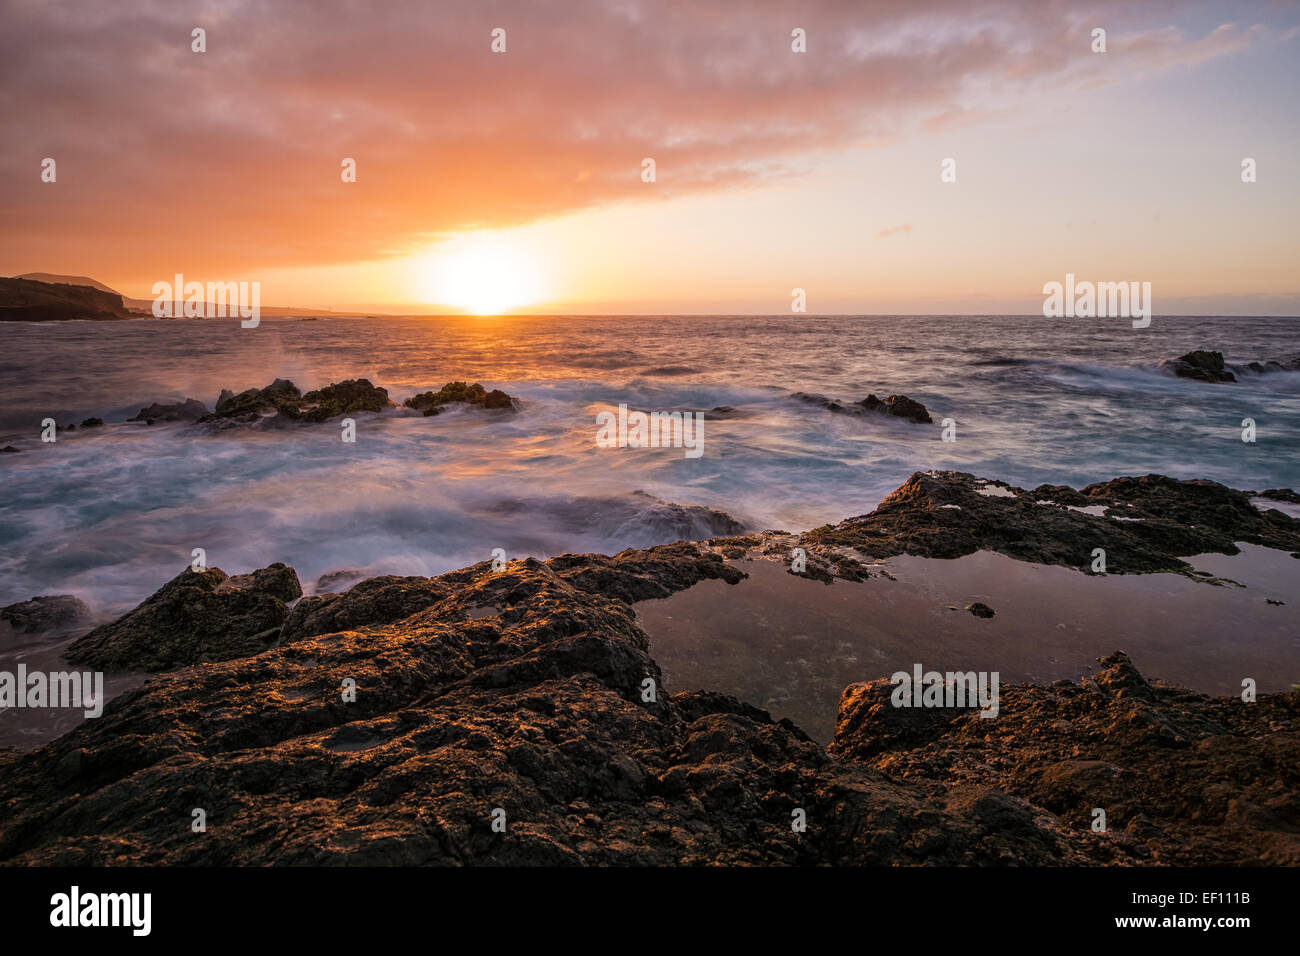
(387, 723)
(282, 403)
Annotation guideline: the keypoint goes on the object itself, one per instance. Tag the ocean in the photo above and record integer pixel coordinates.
(111, 513)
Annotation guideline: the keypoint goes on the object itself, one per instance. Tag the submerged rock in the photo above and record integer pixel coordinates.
(433, 403)
(1272, 365)
(196, 616)
(898, 406)
(1281, 494)
(46, 613)
(189, 410)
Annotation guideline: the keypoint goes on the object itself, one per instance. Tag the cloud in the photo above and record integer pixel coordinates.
(229, 160)
(885, 233)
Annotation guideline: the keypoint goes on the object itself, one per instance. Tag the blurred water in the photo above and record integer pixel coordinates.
(110, 514)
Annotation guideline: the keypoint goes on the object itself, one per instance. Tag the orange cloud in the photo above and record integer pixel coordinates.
(229, 160)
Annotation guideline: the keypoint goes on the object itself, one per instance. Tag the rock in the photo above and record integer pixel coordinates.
(278, 580)
(1281, 494)
(539, 708)
(1200, 365)
(187, 411)
(946, 514)
(980, 610)
(92, 423)
(820, 400)
(432, 403)
(340, 398)
(343, 578)
(1272, 365)
(253, 404)
(10, 450)
(373, 602)
(46, 614)
(900, 406)
(1106, 748)
(196, 616)
(282, 403)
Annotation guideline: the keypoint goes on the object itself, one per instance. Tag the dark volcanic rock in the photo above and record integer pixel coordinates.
(282, 402)
(819, 400)
(92, 423)
(527, 689)
(252, 404)
(899, 406)
(341, 398)
(331, 581)
(980, 610)
(1200, 365)
(948, 514)
(1281, 494)
(46, 614)
(636, 575)
(374, 602)
(1184, 779)
(1272, 365)
(432, 403)
(196, 616)
(187, 411)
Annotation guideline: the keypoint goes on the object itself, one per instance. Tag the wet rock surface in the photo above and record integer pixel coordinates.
(1272, 365)
(1142, 524)
(898, 406)
(190, 410)
(196, 616)
(1200, 365)
(1205, 366)
(460, 393)
(532, 689)
(282, 402)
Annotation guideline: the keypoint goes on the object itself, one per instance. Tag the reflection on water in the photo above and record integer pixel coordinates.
(790, 645)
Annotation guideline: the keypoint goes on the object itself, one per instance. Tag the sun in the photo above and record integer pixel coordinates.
(481, 274)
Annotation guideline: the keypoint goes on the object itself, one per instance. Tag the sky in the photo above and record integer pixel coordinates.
(513, 180)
